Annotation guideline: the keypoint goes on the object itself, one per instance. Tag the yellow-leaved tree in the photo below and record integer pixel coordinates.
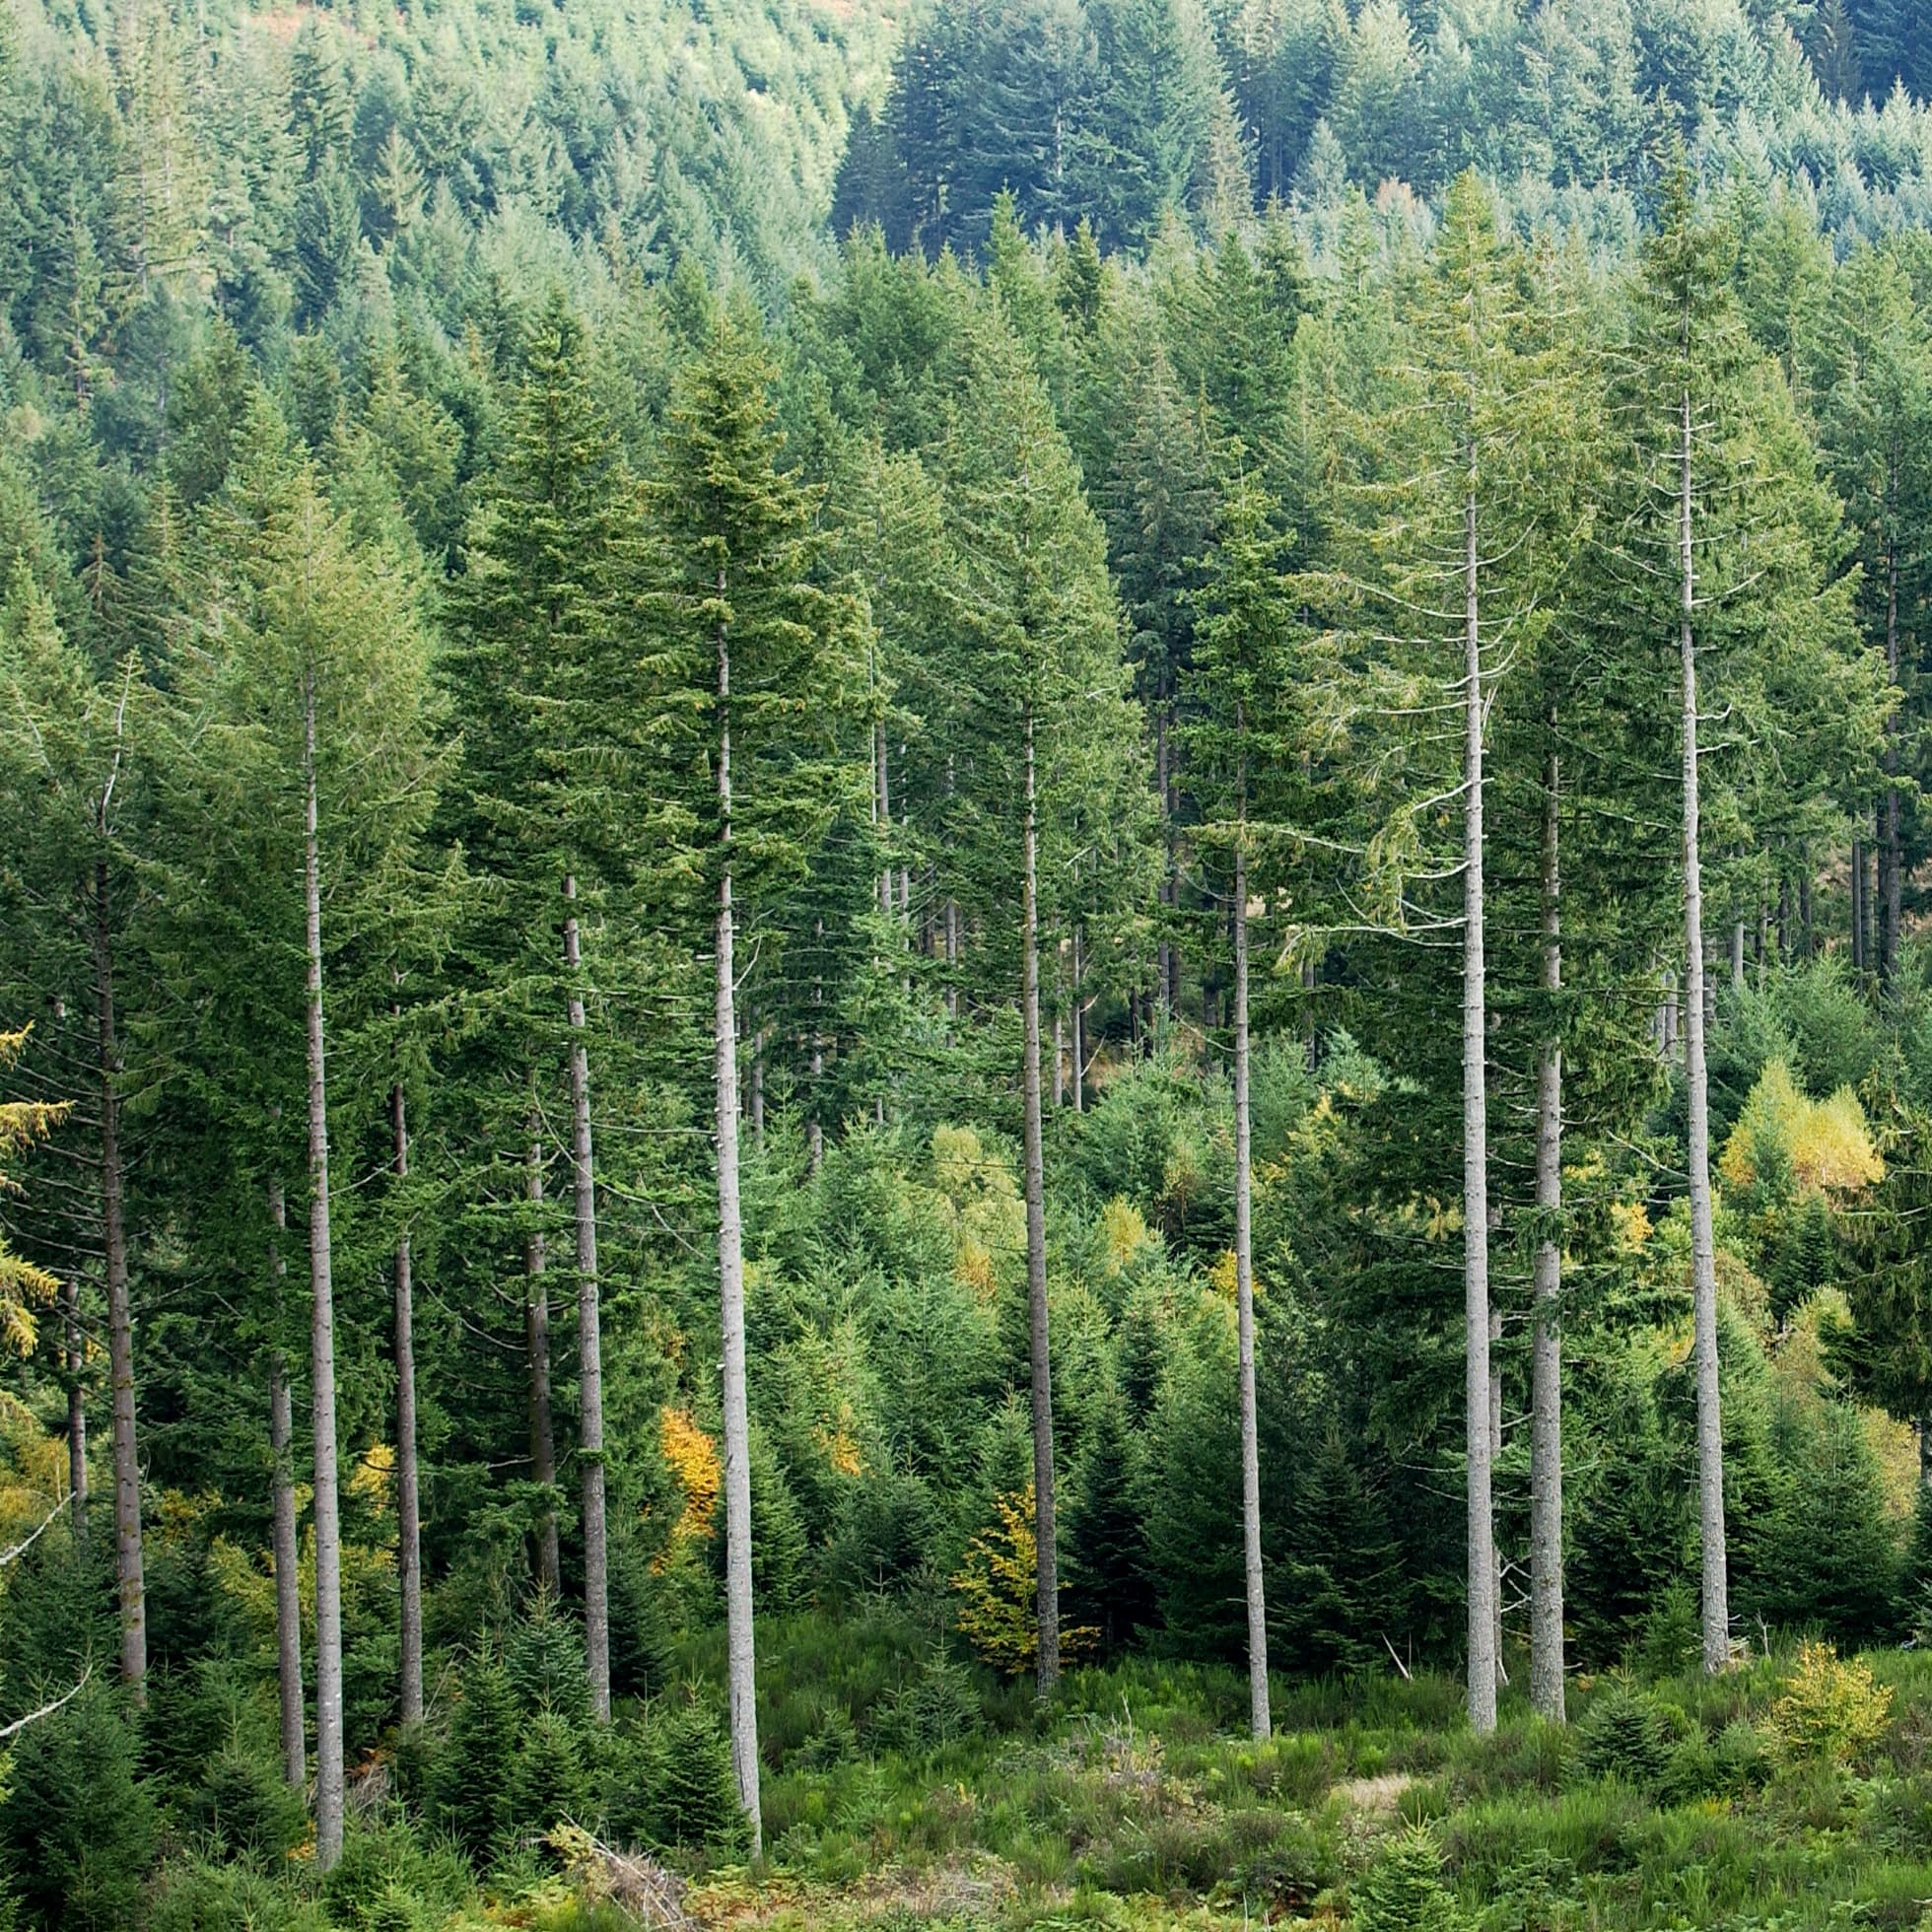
(23, 1286)
(1784, 1139)
(997, 1585)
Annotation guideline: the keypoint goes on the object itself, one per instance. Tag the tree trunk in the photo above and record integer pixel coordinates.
(815, 1124)
(1547, 1348)
(409, 1535)
(536, 1338)
(1046, 1555)
(1078, 1018)
(288, 1582)
(130, 1585)
(1259, 1718)
(1703, 1257)
(1890, 857)
(74, 1360)
(322, 1337)
(1737, 955)
(740, 1638)
(287, 1547)
(1482, 1552)
(590, 1341)
(1858, 960)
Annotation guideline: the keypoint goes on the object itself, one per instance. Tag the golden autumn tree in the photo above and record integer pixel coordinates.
(23, 1285)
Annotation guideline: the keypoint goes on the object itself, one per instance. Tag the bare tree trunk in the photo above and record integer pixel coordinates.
(1858, 960)
(130, 1585)
(755, 1081)
(1259, 1718)
(1704, 1255)
(409, 1520)
(322, 1288)
(1164, 964)
(740, 1637)
(1547, 1348)
(536, 1337)
(1890, 857)
(1078, 1018)
(73, 1346)
(1481, 1553)
(1059, 1061)
(814, 1123)
(288, 1551)
(1046, 1555)
(589, 1339)
(1737, 955)
(287, 1580)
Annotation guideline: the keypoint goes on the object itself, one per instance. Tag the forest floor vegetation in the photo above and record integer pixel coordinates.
(908, 1790)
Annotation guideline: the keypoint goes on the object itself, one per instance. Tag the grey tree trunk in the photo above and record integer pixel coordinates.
(1547, 1347)
(1890, 857)
(740, 1636)
(409, 1520)
(590, 1341)
(1482, 1551)
(1046, 1557)
(131, 1584)
(1703, 1254)
(1737, 955)
(1858, 961)
(287, 1547)
(1259, 1718)
(321, 1342)
(73, 1345)
(536, 1337)
(1079, 1019)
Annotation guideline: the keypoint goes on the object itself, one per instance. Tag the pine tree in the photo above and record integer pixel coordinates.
(541, 675)
(73, 779)
(755, 667)
(1039, 730)
(299, 725)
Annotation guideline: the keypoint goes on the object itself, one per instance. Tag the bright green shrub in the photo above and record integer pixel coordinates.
(1402, 1890)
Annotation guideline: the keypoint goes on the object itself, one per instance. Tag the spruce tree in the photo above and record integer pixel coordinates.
(755, 664)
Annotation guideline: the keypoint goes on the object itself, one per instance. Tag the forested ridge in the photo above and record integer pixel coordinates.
(964, 965)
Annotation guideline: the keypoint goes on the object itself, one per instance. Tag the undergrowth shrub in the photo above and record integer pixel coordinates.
(1832, 1711)
(196, 1896)
(938, 1705)
(1627, 1735)
(1402, 1890)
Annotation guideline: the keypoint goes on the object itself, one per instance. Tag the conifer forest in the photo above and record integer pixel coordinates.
(965, 964)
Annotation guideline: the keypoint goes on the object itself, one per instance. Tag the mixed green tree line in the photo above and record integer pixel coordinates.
(669, 964)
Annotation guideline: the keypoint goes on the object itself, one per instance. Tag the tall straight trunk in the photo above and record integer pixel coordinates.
(590, 1341)
(131, 1584)
(1547, 1347)
(1703, 1254)
(288, 1581)
(321, 1344)
(73, 1349)
(1078, 1018)
(1875, 898)
(1482, 1552)
(1259, 1718)
(1890, 857)
(1737, 955)
(815, 1124)
(409, 1519)
(1046, 1555)
(740, 1638)
(287, 1548)
(755, 1083)
(536, 1340)
(1858, 961)
(1059, 1061)
(1163, 752)
(882, 811)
